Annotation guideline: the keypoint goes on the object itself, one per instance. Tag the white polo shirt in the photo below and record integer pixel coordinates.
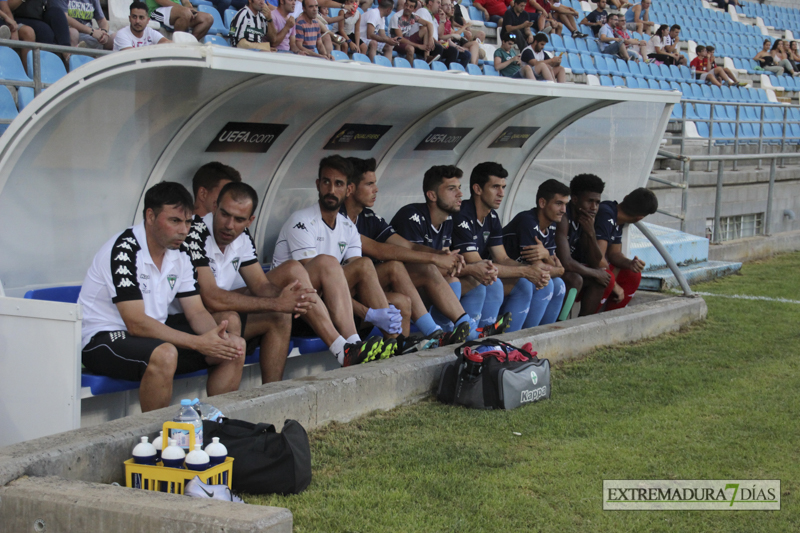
(425, 14)
(204, 252)
(122, 271)
(305, 235)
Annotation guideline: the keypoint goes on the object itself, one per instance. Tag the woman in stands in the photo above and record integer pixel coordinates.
(794, 55)
(781, 58)
(656, 50)
(450, 31)
(13, 30)
(49, 25)
(765, 59)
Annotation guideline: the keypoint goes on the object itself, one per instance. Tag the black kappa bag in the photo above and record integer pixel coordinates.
(492, 381)
(266, 462)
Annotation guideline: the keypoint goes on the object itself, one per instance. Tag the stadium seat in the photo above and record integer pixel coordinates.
(76, 61)
(716, 93)
(677, 111)
(52, 67)
(67, 294)
(8, 109)
(217, 26)
(476, 15)
(24, 97)
(605, 81)
(664, 86)
(399, 62)
(619, 81)
(569, 44)
(474, 70)
(653, 84)
(229, 14)
(381, 60)
(457, 67)
(364, 58)
(11, 66)
(218, 41)
(558, 43)
(197, 3)
(636, 72)
(588, 65)
(438, 66)
(489, 70)
(705, 90)
(727, 95)
(633, 83)
(602, 66)
(574, 64)
(594, 50)
(421, 64)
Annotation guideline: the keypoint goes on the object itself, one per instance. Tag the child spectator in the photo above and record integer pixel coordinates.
(508, 63)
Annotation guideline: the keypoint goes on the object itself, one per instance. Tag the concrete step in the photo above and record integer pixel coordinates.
(661, 279)
(684, 248)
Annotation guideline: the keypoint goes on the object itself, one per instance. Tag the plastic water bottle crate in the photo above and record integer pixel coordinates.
(164, 479)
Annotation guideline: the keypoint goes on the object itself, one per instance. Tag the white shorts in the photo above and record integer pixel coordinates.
(380, 45)
(630, 26)
(162, 15)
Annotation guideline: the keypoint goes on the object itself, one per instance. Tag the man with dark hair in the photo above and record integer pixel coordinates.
(544, 67)
(608, 42)
(478, 236)
(576, 246)
(518, 22)
(251, 29)
(404, 267)
(596, 19)
(329, 247)
(125, 297)
(224, 256)
(672, 44)
(430, 224)
(177, 16)
(373, 31)
(608, 225)
(208, 181)
(138, 34)
(530, 238)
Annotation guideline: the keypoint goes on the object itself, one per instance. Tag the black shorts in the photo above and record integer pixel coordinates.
(119, 355)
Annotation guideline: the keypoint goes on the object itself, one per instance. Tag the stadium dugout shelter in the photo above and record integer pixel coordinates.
(75, 163)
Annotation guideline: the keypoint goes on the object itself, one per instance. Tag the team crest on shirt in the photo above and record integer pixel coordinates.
(485, 236)
(235, 263)
(342, 246)
(172, 278)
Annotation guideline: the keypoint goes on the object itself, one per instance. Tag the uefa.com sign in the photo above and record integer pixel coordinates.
(692, 495)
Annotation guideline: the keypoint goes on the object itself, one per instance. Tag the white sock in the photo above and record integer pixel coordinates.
(337, 348)
(352, 339)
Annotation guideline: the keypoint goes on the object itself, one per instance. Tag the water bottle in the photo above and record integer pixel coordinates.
(173, 455)
(158, 445)
(217, 452)
(198, 459)
(694, 73)
(206, 410)
(187, 414)
(144, 453)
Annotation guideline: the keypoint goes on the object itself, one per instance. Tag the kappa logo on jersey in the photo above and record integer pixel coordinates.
(235, 263)
(193, 235)
(130, 240)
(415, 218)
(172, 278)
(463, 225)
(611, 220)
(199, 226)
(124, 283)
(122, 256)
(192, 245)
(123, 270)
(342, 246)
(196, 256)
(124, 245)
(301, 226)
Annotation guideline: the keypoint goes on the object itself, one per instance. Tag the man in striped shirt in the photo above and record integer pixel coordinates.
(251, 29)
(308, 33)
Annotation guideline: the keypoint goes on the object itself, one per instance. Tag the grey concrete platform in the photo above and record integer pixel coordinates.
(85, 458)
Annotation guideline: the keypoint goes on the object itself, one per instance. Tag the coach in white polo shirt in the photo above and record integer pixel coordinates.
(125, 297)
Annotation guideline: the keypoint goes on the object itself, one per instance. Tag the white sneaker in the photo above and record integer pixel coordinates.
(197, 489)
(5, 32)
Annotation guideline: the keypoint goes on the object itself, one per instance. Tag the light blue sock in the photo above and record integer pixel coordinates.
(438, 317)
(426, 324)
(554, 307)
(472, 302)
(491, 304)
(539, 301)
(518, 302)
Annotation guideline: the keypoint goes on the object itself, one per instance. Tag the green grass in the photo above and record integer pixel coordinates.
(718, 400)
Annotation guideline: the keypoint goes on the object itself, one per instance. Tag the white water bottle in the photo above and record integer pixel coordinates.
(158, 443)
(217, 452)
(197, 459)
(144, 453)
(173, 455)
(187, 415)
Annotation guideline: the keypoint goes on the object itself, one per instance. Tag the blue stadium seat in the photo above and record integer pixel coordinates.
(619, 81)
(583, 48)
(421, 64)
(489, 70)
(633, 83)
(636, 71)
(217, 26)
(594, 49)
(702, 129)
(677, 111)
(229, 14)
(716, 93)
(399, 62)
(574, 63)
(624, 69)
(686, 89)
(558, 43)
(569, 44)
(667, 75)
(438, 66)
(474, 70)
(76, 61)
(8, 109)
(474, 14)
(675, 86)
(197, 3)
(338, 55)
(11, 66)
(707, 94)
(697, 92)
(456, 67)
(727, 95)
(52, 67)
(653, 84)
(676, 73)
(24, 97)
(381, 60)
(588, 65)
(605, 81)
(795, 133)
(218, 40)
(602, 66)
(363, 58)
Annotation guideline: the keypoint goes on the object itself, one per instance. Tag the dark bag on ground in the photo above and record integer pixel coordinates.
(492, 374)
(265, 462)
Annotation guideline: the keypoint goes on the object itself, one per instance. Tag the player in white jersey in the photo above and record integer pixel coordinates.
(329, 247)
(125, 297)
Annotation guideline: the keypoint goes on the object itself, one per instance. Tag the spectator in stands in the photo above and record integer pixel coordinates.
(284, 22)
(175, 16)
(458, 54)
(454, 35)
(723, 4)
(672, 43)
(576, 245)
(656, 50)
(131, 283)
(15, 31)
(373, 31)
(329, 247)
(250, 29)
(706, 70)
(545, 20)
(637, 18)
(138, 33)
(781, 57)
(630, 43)
(610, 44)
(597, 18)
(493, 10)
(509, 64)
(431, 224)
(608, 225)
(518, 22)
(413, 32)
(307, 40)
(765, 59)
(560, 14)
(471, 32)
(478, 235)
(80, 14)
(530, 239)
(543, 66)
(722, 72)
(402, 266)
(349, 27)
(794, 55)
(49, 25)
(619, 4)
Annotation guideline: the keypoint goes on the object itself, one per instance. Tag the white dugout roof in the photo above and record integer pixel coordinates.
(75, 164)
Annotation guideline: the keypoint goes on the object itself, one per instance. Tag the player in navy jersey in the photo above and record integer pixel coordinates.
(431, 224)
(530, 238)
(478, 236)
(608, 225)
(404, 266)
(577, 248)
